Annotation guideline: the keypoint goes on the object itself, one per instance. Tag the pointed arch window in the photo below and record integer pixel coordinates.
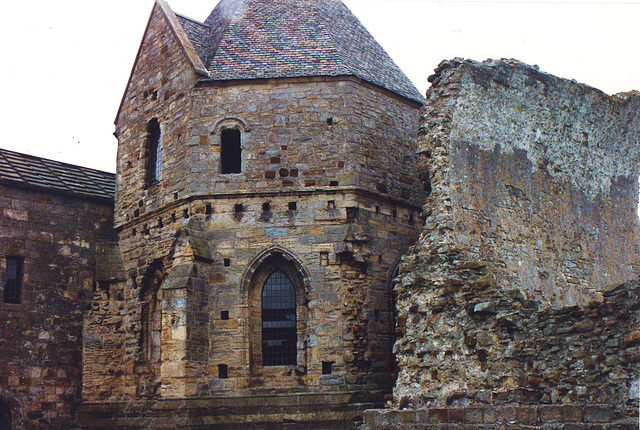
(279, 326)
(154, 148)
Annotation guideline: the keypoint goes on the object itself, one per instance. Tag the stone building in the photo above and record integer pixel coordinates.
(266, 191)
(52, 215)
(275, 175)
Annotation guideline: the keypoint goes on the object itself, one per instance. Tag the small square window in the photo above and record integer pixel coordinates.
(293, 206)
(227, 262)
(223, 371)
(266, 207)
(224, 315)
(327, 367)
(238, 208)
(208, 209)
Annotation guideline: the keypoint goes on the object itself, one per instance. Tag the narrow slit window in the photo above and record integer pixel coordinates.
(13, 280)
(279, 327)
(230, 151)
(154, 147)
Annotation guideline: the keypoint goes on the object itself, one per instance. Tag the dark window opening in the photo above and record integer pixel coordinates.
(175, 196)
(133, 232)
(223, 371)
(136, 213)
(13, 280)
(185, 213)
(154, 148)
(208, 209)
(427, 187)
(173, 217)
(293, 206)
(279, 327)
(5, 416)
(154, 96)
(333, 183)
(352, 214)
(224, 315)
(160, 223)
(227, 262)
(238, 208)
(327, 367)
(266, 207)
(330, 121)
(331, 204)
(377, 210)
(230, 151)
(394, 213)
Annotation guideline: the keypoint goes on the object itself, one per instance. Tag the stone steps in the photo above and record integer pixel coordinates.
(278, 411)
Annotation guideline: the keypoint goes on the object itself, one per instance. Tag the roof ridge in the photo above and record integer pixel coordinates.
(37, 157)
(195, 21)
(34, 171)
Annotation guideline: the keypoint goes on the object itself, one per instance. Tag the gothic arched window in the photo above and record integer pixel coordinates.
(279, 326)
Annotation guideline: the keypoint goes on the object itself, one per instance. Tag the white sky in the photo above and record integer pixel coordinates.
(65, 63)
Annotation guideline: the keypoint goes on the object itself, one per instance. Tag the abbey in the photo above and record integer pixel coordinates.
(266, 191)
(295, 236)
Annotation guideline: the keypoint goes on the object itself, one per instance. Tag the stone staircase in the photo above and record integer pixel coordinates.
(342, 410)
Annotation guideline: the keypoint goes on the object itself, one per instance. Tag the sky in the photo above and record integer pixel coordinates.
(65, 63)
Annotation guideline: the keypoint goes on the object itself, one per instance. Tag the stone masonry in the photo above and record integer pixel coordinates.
(52, 216)
(519, 304)
(325, 192)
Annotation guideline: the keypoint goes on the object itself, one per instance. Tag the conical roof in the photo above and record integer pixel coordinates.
(253, 39)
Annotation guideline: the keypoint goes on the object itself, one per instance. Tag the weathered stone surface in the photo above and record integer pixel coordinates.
(41, 337)
(508, 296)
(326, 193)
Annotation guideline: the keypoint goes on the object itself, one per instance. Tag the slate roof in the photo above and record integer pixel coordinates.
(251, 39)
(30, 171)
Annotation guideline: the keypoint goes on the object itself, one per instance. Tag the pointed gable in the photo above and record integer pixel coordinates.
(167, 54)
(256, 39)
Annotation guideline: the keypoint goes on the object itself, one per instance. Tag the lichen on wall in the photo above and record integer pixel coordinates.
(523, 286)
(534, 174)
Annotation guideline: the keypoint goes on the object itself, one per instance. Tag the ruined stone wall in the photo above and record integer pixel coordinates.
(41, 337)
(534, 174)
(522, 289)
